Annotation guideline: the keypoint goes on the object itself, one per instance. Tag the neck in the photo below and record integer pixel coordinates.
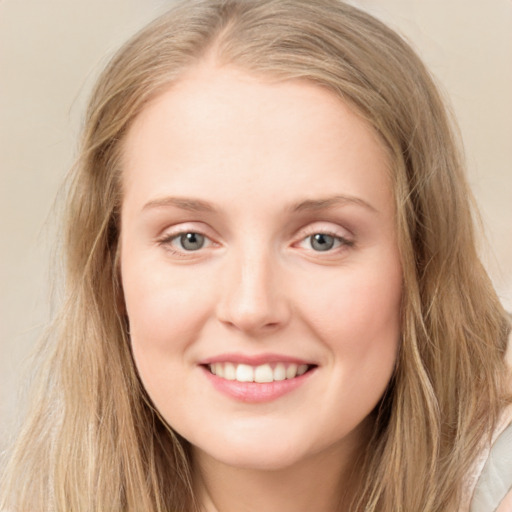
(324, 482)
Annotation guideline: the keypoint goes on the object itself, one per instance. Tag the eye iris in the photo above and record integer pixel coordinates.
(191, 241)
(322, 242)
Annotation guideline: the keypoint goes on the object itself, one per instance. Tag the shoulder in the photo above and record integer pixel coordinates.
(494, 486)
(493, 490)
(506, 504)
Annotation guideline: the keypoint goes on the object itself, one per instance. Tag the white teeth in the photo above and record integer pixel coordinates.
(302, 369)
(219, 370)
(280, 372)
(291, 371)
(261, 374)
(244, 373)
(229, 371)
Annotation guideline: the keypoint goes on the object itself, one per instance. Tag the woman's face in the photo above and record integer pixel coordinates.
(260, 266)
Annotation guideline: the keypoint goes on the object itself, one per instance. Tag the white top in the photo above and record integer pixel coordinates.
(493, 489)
(489, 485)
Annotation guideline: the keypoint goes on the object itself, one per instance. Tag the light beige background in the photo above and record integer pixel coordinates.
(50, 52)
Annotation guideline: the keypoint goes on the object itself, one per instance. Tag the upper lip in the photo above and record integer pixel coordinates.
(254, 360)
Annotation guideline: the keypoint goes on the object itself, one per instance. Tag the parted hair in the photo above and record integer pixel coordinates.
(92, 441)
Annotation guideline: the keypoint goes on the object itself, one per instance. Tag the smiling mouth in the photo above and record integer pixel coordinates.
(264, 373)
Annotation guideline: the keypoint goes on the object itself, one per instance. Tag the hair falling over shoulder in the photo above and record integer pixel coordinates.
(92, 440)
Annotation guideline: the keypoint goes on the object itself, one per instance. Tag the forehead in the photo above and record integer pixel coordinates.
(223, 130)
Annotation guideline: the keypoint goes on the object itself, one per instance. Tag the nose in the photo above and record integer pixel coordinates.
(252, 298)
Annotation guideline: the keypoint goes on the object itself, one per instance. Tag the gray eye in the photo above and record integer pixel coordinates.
(191, 241)
(322, 242)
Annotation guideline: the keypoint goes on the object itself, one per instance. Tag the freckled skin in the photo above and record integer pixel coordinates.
(252, 150)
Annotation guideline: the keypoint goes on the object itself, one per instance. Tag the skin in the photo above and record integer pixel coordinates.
(254, 150)
(506, 504)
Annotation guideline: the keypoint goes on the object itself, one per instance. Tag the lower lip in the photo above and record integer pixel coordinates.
(255, 392)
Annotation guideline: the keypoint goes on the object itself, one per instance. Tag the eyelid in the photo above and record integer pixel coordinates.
(345, 238)
(185, 227)
(327, 228)
(171, 237)
(174, 232)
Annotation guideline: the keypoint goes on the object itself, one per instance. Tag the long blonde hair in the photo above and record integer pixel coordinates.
(94, 442)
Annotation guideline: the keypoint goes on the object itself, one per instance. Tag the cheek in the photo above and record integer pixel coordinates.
(358, 318)
(361, 328)
(161, 305)
(164, 322)
(166, 313)
(358, 307)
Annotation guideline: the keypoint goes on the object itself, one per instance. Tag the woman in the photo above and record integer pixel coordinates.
(266, 306)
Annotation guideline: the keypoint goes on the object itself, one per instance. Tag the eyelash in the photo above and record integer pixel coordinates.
(343, 242)
(184, 253)
(167, 241)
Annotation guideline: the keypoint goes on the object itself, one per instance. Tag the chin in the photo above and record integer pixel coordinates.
(262, 454)
(257, 461)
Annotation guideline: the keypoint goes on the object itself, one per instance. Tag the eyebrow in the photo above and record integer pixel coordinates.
(198, 205)
(330, 202)
(184, 203)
